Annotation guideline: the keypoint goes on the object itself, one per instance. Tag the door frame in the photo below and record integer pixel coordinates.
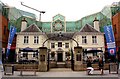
(61, 54)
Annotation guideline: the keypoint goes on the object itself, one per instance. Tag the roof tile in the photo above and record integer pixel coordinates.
(32, 28)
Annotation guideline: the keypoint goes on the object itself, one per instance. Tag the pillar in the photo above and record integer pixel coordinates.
(64, 58)
(78, 58)
(42, 59)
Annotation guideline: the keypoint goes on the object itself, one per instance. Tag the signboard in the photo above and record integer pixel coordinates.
(10, 39)
(110, 40)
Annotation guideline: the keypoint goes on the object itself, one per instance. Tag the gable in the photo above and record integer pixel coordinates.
(88, 28)
(32, 28)
(59, 16)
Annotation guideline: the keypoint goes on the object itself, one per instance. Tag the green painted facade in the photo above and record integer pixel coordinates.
(71, 26)
(59, 16)
(104, 17)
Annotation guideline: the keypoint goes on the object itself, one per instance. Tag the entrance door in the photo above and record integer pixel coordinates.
(59, 57)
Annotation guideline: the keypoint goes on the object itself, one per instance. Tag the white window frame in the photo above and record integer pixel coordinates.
(25, 55)
(35, 54)
(52, 45)
(59, 44)
(26, 39)
(66, 45)
(84, 39)
(36, 39)
(94, 39)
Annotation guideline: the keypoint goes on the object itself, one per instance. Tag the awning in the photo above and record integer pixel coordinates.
(28, 49)
(93, 51)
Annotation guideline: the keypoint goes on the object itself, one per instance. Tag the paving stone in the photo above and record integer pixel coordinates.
(61, 73)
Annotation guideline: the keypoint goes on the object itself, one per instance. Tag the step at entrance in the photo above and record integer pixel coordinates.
(61, 70)
(60, 64)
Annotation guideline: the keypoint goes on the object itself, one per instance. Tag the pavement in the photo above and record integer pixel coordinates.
(119, 71)
(60, 73)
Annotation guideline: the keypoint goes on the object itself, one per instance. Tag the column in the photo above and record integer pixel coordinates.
(56, 56)
(63, 56)
(78, 61)
(42, 59)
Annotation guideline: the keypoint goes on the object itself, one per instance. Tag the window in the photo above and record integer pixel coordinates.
(84, 49)
(26, 39)
(84, 40)
(67, 54)
(25, 54)
(95, 53)
(42, 58)
(78, 57)
(35, 54)
(52, 54)
(52, 45)
(59, 44)
(36, 39)
(94, 39)
(4, 30)
(66, 45)
(114, 29)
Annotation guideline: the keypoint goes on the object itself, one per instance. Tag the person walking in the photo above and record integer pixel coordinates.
(89, 66)
(101, 65)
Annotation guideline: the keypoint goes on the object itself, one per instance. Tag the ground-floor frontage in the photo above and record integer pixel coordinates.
(59, 55)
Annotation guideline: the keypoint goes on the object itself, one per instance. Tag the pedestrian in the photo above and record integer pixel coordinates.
(101, 65)
(89, 66)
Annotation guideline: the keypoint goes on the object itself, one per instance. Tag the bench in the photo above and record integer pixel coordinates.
(27, 68)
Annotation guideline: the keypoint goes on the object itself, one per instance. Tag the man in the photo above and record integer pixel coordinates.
(101, 65)
(89, 66)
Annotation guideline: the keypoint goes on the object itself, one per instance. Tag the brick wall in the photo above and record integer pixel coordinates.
(116, 28)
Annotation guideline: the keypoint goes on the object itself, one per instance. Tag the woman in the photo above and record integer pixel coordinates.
(89, 66)
(101, 65)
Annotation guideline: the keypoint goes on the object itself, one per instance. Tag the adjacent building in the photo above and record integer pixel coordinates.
(4, 32)
(8, 16)
(116, 28)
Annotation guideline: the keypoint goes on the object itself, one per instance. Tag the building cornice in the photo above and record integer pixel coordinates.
(30, 33)
(89, 33)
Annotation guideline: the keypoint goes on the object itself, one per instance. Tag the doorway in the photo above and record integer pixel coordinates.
(60, 57)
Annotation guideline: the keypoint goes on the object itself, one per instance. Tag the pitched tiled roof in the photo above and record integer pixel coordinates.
(88, 28)
(56, 36)
(32, 28)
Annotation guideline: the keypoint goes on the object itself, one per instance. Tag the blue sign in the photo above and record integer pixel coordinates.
(110, 40)
(10, 39)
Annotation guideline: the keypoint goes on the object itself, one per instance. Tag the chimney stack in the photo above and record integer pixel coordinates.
(23, 24)
(96, 24)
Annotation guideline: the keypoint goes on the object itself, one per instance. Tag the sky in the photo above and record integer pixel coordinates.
(72, 9)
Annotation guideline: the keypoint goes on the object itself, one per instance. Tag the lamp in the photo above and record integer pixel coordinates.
(40, 14)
